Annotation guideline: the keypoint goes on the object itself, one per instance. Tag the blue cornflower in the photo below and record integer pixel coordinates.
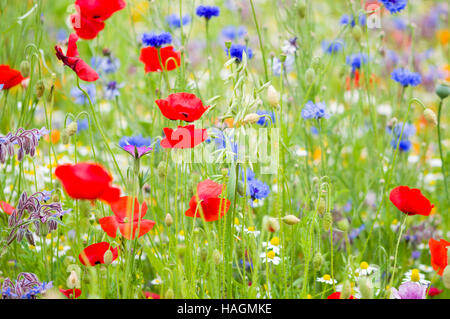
(112, 90)
(175, 22)
(156, 40)
(314, 111)
(404, 145)
(415, 254)
(350, 19)
(256, 189)
(394, 6)
(405, 77)
(137, 146)
(266, 118)
(207, 11)
(105, 64)
(79, 96)
(236, 51)
(331, 47)
(408, 131)
(355, 232)
(356, 60)
(232, 33)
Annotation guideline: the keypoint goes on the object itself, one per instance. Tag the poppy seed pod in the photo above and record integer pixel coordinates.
(430, 116)
(446, 277)
(346, 290)
(365, 287)
(443, 90)
(72, 129)
(25, 69)
(40, 88)
(291, 220)
(318, 261)
(310, 75)
(108, 257)
(273, 97)
(168, 220)
(327, 221)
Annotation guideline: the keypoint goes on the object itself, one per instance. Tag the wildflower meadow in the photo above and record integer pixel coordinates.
(224, 149)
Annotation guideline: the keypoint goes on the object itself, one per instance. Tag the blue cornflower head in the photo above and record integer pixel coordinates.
(236, 51)
(266, 118)
(112, 90)
(257, 189)
(331, 47)
(394, 6)
(207, 11)
(175, 22)
(79, 96)
(404, 145)
(350, 19)
(105, 64)
(314, 111)
(405, 77)
(356, 60)
(232, 33)
(137, 146)
(408, 131)
(156, 40)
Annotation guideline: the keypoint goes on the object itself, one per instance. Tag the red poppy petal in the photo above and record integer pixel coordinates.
(8, 209)
(9, 77)
(122, 208)
(71, 293)
(72, 49)
(144, 227)
(85, 72)
(85, 28)
(110, 225)
(99, 9)
(215, 208)
(111, 194)
(208, 188)
(438, 251)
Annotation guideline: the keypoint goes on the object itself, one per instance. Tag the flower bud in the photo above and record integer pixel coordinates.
(301, 10)
(55, 198)
(273, 96)
(430, 116)
(251, 118)
(25, 68)
(291, 219)
(168, 220)
(446, 277)
(327, 221)
(317, 261)
(271, 224)
(241, 188)
(443, 90)
(65, 137)
(346, 290)
(72, 280)
(161, 170)
(357, 33)
(343, 225)
(40, 88)
(217, 257)
(322, 206)
(365, 287)
(72, 128)
(169, 294)
(310, 75)
(108, 257)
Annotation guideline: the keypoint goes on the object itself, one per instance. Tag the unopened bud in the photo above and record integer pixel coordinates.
(72, 280)
(310, 75)
(108, 257)
(168, 220)
(72, 128)
(346, 291)
(327, 221)
(301, 10)
(291, 219)
(40, 88)
(55, 198)
(343, 225)
(241, 188)
(365, 288)
(217, 257)
(357, 33)
(65, 137)
(430, 116)
(322, 206)
(169, 294)
(161, 170)
(251, 118)
(271, 224)
(318, 261)
(273, 97)
(446, 277)
(25, 68)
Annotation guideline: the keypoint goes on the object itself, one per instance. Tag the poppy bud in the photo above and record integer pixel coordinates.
(72, 129)
(55, 198)
(346, 291)
(322, 206)
(169, 294)
(357, 33)
(309, 76)
(430, 116)
(318, 261)
(224, 171)
(203, 253)
(271, 224)
(25, 69)
(251, 118)
(443, 90)
(290, 220)
(161, 170)
(301, 10)
(283, 58)
(327, 221)
(72, 280)
(343, 225)
(108, 257)
(65, 137)
(217, 257)
(168, 220)
(228, 44)
(40, 88)
(365, 287)
(241, 188)
(446, 277)
(273, 97)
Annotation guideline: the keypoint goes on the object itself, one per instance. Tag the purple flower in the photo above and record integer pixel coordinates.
(405, 77)
(314, 111)
(395, 6)
(207, 11)
(156, 40)
(27, 286)
(136, 146)
(27, 140)
(409, 290)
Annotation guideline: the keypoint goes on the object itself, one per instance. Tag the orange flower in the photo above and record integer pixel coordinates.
(443, 36)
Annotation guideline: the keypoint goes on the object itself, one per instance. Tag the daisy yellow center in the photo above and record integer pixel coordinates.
(364, 265)
(251, 228)
(271, 255)
(236, 221)
(327, 277)
(181, 233)
(275, 241)
(415, 276)
(395, 222)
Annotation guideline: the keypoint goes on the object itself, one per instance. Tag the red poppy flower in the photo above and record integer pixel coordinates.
(183, 137)
(124, 220)
(86, 28)
(8, 209)
(71, 293)
(433, 291)
(337, 295)
(93, 254)
(71, 59)
(439, 251)
(151, 295)
(182, 106)
(170, 59)
(87, 181)
(99, 9)
(410, 201)
(9, 77)
(212, 207)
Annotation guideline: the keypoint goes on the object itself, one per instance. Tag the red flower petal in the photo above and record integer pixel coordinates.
(110, 225)
(439, 251)
(208, 188)
(85, 28)
(151, 295)
(8, 209)
(170, 59)
(410, 201)
(183, 137)
(123, 207)
(71, 293)
(182, 106)
(144, 227)
(99, 9)
(337, 295)
(9, 77)
(93, 254)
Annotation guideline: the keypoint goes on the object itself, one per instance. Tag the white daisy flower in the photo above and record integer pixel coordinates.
(365, 269)
(273, 244)
(270, 257)
(426, 268)
(327, 279)
(156, 281)
(415, 276)
(251, 230)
